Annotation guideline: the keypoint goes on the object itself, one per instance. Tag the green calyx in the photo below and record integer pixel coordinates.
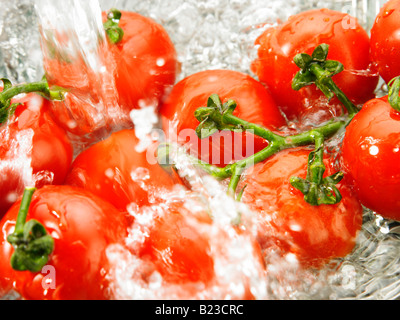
(316, 69)
(317, 194)
(211, 118)
(30, 240)
(393, 95)
(316, 189)
(307, 75)
(111, 26)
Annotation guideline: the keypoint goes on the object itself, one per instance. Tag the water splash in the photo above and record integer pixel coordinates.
(77, 57)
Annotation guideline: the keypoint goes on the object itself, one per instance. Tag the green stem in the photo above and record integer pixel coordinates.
(306, 138)
(276, 144)
(41, 87)
(316, 166)
(248, 126)
(235, 178)
(9, 91)
(23, 211)
(30, 240)
(320, 73)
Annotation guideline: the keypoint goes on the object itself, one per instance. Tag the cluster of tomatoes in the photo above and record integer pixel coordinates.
(82, 201)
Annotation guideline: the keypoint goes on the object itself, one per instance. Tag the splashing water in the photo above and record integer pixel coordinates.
(370, 272)
(77, 57)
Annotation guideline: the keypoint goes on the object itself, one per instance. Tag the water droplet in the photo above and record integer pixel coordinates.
(109, 173)
(160, 62)
(373, 150)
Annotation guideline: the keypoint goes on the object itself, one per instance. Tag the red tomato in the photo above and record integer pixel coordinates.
(348, 43)
(82, 226)
(146, 62)
(31, 141)
(179, 252)
(179, 246)
(371, 155)
(115, 171)
(254, 104)
(385, 41)
(143, 66)
(315, 234)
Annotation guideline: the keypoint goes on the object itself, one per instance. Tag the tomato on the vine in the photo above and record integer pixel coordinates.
(254, 104)
(33, 149)
(119, 173)
(371, 155)
(348, 43)
(385, 41)
(82, 226)
(315, 234)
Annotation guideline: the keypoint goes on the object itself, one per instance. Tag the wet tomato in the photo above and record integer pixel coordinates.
(82, 226)
(146, 62)
(315, 234)
(254, 104)
(348, 43)
(371, 155)
(186, 248)
(139, 71)
(180, 253)
(33, 150)
(116, 171)
(385, 41)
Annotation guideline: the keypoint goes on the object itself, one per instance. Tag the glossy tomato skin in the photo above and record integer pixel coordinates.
(82, 226)
(385, 41)
(179, 252)
(348, 43)
(254, 104)
(370, 156)
(315, 234)
(146, 62)
(186, 248)
(31, 135)
(114, 170)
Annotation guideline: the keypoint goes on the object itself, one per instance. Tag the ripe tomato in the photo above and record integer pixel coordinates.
(370, 156)
(179, 252)
(82, 226)
(385, 41)
(254, 104)
(315, 234)
(140, 70)
(146, 61)
(348, 43)
(33, 149)
(115, 171)
(186, 248)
